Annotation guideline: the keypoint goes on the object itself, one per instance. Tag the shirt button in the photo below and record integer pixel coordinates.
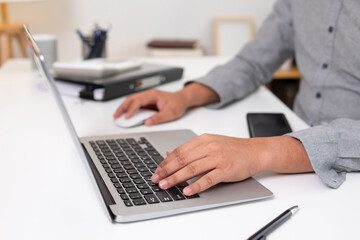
(325, 66)
(318, 95)
(331, 29)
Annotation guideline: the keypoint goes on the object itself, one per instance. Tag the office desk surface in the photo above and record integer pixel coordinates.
(46, 192)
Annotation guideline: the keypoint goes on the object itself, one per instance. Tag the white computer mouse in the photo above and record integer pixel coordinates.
(138, 118)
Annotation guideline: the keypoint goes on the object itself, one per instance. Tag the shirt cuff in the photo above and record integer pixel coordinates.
(321, 145)
(212, 85)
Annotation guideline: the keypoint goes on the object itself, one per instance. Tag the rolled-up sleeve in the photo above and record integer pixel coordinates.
(257, 61)
(333, 149)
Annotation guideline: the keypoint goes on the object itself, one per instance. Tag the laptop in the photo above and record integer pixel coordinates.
(122, 166)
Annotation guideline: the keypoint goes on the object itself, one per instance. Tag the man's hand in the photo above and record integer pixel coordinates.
(228, 159)
(171, 106)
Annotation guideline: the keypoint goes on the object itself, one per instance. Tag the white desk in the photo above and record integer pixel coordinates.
(46, 192)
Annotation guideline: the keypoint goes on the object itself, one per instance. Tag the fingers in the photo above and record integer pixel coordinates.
(180, 157)
(135, 102)
(160, 117)
(133, 107)
(193, 169)
(122, 108)
(208, 180)
(179, 162)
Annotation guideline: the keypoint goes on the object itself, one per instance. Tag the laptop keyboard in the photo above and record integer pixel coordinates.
(130, 164)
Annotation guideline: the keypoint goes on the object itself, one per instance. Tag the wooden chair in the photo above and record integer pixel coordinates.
(8, 32)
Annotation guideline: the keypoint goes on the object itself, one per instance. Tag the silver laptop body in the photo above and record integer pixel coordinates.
(108, 181)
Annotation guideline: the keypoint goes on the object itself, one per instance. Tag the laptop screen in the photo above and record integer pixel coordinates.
(45, 73)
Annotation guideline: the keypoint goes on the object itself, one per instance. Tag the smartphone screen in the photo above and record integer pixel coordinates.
(267, 124)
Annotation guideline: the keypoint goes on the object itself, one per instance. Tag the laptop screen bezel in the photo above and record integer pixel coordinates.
(45, 73)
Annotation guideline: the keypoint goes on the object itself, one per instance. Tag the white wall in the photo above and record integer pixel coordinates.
(134, 22)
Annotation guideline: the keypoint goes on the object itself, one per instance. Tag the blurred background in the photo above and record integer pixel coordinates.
(133, 23)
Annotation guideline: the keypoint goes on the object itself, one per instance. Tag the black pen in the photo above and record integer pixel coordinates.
(271, 226)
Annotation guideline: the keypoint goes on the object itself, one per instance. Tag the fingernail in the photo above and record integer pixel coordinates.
(187, 191)
(163, 184)
(155, 178)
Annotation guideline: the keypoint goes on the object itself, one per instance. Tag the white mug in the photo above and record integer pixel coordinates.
(48, 47)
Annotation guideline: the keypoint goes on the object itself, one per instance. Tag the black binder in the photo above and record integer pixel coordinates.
(147, 76)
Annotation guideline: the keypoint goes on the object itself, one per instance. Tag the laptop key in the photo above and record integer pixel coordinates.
(135, 176)
(121, 175)
(156, 188)
(193, 196)
(125, 180)
(146, 174)
(114, 166)
(122, 158)
(128, 203)
(110, 157)
(132, 171)
(139, 165)
(142, 169)
(120, 140)
(152, 166)
(131, 141)
(153, 153)
(131, 190)
(148, 179)
(121, 190)
(146, 191)
(124, 197)
(135, 195)
(105, 165)
(158, 159)
(128, 185)
(119, 170)
(139, 201)
(176, 194)
(129, 167)
(138, 181)
(142, 140)
(151, 199)
(151, 183)
(164, 196)
(145, 157)
(142, 186)
(136, 160)
(125, 163)
(182, 185)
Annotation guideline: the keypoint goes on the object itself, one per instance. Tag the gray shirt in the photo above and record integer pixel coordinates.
(324, 37)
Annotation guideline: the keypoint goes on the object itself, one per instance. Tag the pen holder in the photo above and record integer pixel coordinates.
(93, 49)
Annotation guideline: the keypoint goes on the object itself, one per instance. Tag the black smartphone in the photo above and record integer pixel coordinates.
(267, 124)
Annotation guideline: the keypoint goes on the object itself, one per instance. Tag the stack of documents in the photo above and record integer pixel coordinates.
(94, 68)
(102, 80)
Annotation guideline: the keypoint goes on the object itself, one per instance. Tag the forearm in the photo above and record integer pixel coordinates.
(333, 149)
(284, 154)
(196, 94)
